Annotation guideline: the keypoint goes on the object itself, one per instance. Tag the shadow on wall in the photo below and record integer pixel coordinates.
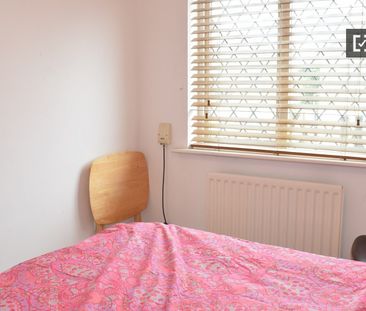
(85, 216)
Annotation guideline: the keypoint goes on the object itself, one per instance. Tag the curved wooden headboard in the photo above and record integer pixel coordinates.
(118, 187)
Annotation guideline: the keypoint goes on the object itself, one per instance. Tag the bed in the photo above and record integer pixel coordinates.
(152, 266)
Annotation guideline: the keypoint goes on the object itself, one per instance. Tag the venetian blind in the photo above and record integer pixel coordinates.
(272, 75)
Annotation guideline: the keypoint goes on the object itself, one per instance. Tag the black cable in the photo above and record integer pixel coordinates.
(163, 187)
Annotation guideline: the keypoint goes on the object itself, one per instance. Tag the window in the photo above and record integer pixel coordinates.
(273, 76)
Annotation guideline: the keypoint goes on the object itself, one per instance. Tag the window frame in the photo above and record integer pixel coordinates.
(281, 111)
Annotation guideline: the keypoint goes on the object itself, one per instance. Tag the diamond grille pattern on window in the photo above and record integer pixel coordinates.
(273, 75)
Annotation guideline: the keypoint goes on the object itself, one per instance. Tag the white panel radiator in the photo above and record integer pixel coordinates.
(300, 215)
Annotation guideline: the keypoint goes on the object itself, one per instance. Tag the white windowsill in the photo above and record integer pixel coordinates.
(259, 156)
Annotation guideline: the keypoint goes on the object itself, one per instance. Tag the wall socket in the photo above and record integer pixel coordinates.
(165, 133)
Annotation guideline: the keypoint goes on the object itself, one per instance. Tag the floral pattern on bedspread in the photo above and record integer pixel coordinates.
(146, 266)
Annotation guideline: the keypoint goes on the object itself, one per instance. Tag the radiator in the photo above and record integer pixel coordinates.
(295, 214)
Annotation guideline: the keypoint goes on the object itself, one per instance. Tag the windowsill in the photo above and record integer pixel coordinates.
(259, 156)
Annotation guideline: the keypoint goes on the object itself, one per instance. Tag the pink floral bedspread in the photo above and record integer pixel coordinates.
(147, 266)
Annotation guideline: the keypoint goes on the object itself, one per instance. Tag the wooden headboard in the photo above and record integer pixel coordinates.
(118, 187)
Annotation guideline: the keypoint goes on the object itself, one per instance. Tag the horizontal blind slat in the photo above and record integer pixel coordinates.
(308, 67)
(275, 90)
(209, 24)
(295, 74)
(279, 98)
(278, 142)
(227, 3)
(266, 28)
(342, 139)
(334, 107)
(281, 128)
(290, 83)
(278, 121)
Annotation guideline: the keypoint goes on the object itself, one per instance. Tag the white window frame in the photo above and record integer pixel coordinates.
(281, 98)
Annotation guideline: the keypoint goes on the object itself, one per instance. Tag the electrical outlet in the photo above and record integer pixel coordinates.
(165, 133)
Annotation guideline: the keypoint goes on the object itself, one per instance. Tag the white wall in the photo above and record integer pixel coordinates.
(163, 98)
(67, 95)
